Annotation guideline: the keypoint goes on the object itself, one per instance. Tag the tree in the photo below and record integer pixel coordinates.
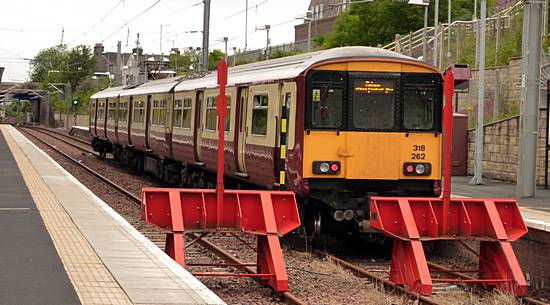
(181, 63)
(214, 59)
(377, 22)
(59, 65)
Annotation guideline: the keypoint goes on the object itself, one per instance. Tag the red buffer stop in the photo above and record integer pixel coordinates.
(264, 214)
(495, 223)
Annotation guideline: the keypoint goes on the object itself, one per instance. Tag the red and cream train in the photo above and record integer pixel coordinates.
(334, 126)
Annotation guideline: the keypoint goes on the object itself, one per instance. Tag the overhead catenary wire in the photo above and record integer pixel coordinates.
(131, 20)
(99, 22)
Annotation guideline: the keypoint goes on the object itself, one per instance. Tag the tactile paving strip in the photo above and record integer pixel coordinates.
(93, 283)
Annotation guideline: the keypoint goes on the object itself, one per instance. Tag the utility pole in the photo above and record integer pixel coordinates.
(425, 35)
(225, 39)
(162, 25)
(266, 28)
(205, 33)
(478, 169)
(118, 74)
(436, 30)
(530, 83)
(234, 56)
(309, 35)
(449, 32)
(62, 34)
(246, 27)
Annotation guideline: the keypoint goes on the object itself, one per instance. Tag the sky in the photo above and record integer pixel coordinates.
(27, 26)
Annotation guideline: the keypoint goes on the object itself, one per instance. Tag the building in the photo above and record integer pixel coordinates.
(133, 68)
(322, 15)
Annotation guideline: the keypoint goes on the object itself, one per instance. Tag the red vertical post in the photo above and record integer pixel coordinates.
(222, 109)
(449, 89)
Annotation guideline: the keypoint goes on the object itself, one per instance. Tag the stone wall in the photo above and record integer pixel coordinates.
(500, 149)
(502, 93)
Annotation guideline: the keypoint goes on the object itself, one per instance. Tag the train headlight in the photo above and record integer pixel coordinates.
(326, 167)
(417, 169)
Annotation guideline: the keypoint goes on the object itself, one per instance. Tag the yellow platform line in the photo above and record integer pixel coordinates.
(93, 283)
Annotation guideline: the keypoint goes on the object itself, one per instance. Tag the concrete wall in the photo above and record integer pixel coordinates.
(500, 149)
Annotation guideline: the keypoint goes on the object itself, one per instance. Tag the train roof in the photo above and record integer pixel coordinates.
(289, 67)
(260, 72)
(109, 92)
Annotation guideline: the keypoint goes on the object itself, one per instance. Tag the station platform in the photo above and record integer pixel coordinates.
(535, 211)
(63, 245)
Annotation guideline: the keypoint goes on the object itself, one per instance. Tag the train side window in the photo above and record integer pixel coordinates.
(211, 115)
(259, 114)
(155, 113)
(373, 103)
(227, 122)
(123, 111)
(186, 113)
(178, 113)
(112, 111)
(162, 113)
(139, 111)
(92, 111)
(101, 112)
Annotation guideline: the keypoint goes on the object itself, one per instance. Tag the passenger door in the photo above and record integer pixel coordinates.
(148, 114)
(241, 131)
(197, 138)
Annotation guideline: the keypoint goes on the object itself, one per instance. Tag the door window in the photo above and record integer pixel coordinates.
(259, 114)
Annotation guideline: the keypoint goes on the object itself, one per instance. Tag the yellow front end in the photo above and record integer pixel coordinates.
(372, 155)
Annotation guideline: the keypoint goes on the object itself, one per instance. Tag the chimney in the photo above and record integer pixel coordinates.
(98, 48)
(137, 51)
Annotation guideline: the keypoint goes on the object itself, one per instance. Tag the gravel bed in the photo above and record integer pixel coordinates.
(315, 280)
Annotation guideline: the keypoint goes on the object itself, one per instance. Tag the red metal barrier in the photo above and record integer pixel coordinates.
(265, 214)
(495, 223)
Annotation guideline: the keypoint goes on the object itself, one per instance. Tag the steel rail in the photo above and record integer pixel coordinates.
(61, 134)
(112, 184)
(527, 300)
(50, 134)
(289, 297)
(387, 284)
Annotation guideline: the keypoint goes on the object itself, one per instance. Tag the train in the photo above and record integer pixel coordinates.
(335, 127)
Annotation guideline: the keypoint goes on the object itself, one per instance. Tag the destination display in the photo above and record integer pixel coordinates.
(370, 86)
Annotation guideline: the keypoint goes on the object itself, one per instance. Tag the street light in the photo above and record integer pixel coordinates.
(426, 4)
(266, 28)
(308, 20)
(224, 40)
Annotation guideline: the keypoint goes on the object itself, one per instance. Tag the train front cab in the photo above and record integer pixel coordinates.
(371, 128)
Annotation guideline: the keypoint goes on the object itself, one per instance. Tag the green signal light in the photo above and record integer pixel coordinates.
(75, 102)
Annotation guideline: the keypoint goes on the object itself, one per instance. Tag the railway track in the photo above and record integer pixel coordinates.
(228, 257)
(289, 298)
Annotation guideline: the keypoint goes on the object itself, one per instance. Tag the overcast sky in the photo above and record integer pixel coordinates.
(27, 26)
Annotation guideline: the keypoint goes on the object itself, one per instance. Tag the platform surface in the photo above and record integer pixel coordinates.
(31, 271)
(535, 211)
(100, 258)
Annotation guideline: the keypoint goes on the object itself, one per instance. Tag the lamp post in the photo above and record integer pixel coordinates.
(307, 19)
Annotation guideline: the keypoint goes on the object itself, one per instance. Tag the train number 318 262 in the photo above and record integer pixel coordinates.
(417, 155)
